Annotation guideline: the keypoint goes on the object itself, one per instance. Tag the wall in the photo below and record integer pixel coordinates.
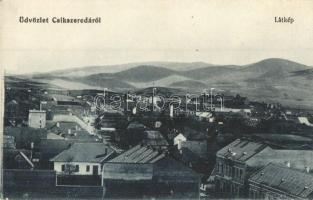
(37, 119)
(23, 178)
(82, 167)
(42, 184)
(228, 180)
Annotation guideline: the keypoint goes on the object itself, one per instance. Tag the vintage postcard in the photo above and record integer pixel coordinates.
(169, 99)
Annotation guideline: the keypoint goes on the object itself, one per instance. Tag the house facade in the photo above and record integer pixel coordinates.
(37, 118)
(179, 139)
(231, 169)
(82, 160)
(239, 160)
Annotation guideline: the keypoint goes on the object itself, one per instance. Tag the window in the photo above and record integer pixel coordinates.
(240, 173)
(63, 168)
(76, 168)
(87, 168)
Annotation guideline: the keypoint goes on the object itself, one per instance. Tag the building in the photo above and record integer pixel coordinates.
(155, 140)
(195, 142)
(301, 160)
(143, 172)
(37, 118)
(82, 159)
(9, 142)
(236, 162)
(197, 147)
(179, 139)
(231, 168)
(280, 182)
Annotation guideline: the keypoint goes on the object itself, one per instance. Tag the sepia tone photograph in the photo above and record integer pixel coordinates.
(124, 99)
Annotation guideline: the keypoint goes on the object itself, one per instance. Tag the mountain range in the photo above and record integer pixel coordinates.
(271, 79)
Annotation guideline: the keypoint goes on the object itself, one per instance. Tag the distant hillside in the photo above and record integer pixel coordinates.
(144, 73)
(189, 84)
(308, 73)
(103, 81)
(89, 70)
(271, 79)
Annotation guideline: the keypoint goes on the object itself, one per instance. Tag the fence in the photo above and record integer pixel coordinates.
(43, 182)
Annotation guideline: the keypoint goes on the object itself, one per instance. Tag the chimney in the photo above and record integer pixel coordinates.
(58, 124)
(307, 169)
(171, 111)
(69, 131)
(288, 164)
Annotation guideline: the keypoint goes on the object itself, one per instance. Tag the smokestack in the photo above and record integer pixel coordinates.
(171, 111)
(288, 164)
(58, 124)
(307, 169)
(69, 131)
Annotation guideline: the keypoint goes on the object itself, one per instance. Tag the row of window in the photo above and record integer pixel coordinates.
(230, 171)
(75, 168)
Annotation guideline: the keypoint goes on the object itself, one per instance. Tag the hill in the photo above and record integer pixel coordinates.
(271, 79)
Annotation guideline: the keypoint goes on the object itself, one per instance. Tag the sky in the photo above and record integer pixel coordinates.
(218, 32)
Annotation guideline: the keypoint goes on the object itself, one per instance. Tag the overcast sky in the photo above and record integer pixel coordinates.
(218, 32)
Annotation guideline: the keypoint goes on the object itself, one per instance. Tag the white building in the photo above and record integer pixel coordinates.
(82, 159)
(37, 118)
(179, 139)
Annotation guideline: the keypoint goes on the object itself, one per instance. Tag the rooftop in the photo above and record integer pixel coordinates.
(139, 154)
(37, 111)
(84, 152)
(285, 179)
(298, 159)
(241, 150)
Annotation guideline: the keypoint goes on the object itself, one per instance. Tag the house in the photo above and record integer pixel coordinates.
(72, 131)
(179, 139)
(82, 159)
(280, 182)
(197, 147)
(134, 133)
(143, 172)
(17, 159)
(37, 118)
(194, 141)
(9, 142)
(231, 168)
(154, 139)
(236, 162)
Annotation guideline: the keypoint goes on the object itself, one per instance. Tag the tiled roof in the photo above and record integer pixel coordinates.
(154, 135)
(84, 152)
(298, 159)
(139, 154)
(192, 134)
(76, 133)
(285, 179)
(241, 150)
(135, 125)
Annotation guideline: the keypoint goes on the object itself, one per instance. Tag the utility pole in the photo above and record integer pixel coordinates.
(211, 95)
